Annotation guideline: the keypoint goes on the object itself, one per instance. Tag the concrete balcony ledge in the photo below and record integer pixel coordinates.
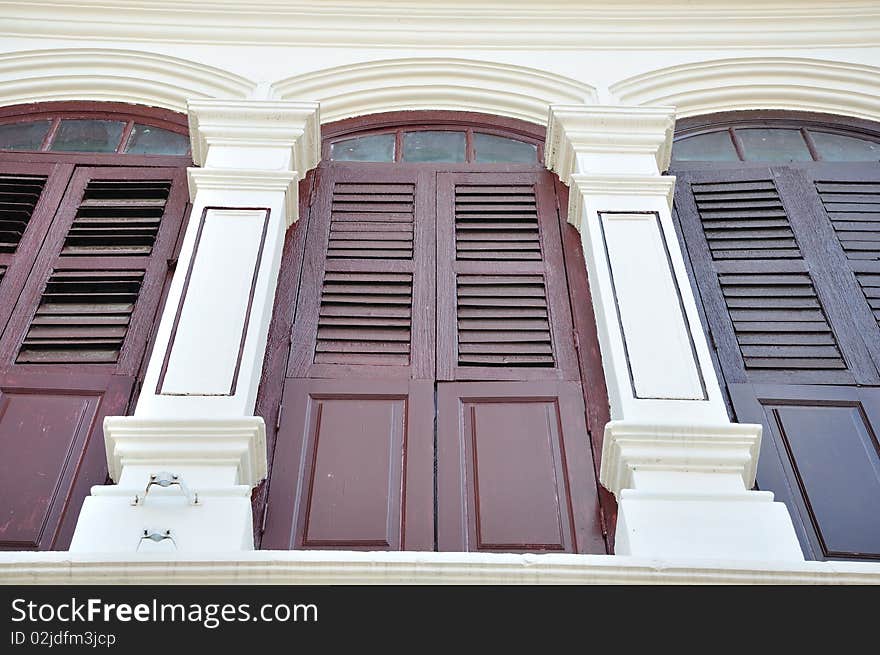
(346, 567)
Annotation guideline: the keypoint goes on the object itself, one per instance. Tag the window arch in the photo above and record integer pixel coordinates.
(92, 127)
(775, 137)
(780, 216)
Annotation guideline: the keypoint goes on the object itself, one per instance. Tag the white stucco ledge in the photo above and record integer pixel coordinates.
(346, 567)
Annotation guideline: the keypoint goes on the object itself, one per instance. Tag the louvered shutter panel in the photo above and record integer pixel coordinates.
(368, 268)
(502, 300)
(854, 211)
(768, 319)
(782, 260)
(77, 339)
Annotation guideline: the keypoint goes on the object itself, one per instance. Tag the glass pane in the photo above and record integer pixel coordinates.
(84, 135)
(768, 144)
(433, 146)
(23, 136)
(714, 146)
(493, 149)
(149, 140)
(377, 147)
(836, 147)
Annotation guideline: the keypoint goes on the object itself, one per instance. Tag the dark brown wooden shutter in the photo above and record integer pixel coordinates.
(514, 466)
(853, 208)
(784, 260)
(366, 306)
(502, 299)
(76, 339)
(354, 465)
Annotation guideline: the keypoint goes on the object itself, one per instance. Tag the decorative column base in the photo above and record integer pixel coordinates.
(183, 485)
(684, 491)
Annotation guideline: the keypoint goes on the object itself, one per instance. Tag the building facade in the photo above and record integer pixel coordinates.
(389, 292)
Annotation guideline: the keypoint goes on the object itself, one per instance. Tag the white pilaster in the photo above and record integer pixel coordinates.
(194, 418)
(681, 472)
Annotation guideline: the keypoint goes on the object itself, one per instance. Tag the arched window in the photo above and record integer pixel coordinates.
(431, 386)
(92, 203)
(780, 215)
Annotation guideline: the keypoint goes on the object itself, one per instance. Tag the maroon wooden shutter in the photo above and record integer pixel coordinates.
(353, 468)
(76, 340)
(782, 259)
(433, 302)
(515, 470)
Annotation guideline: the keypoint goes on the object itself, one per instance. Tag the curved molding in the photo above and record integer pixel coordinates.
(758, 83)
(464, 24)
(434, 83)
(112, 75)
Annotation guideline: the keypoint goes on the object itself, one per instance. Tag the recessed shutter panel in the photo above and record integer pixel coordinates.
(77, 338)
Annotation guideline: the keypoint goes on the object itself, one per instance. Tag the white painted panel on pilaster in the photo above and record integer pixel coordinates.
(660, 354)
(205, 349)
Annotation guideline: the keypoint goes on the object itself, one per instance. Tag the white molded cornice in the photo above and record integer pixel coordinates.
(790, 83)
(106, 74)
(257, 124)
(435, 83)
(611, 130)
(720, 448)
(167, 443)
(248, 180)
(468, 24)
(615, 185)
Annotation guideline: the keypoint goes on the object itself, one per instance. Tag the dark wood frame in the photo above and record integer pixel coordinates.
(115, 386)
(269, 398)
(401, 121)
(130, 114)
(823, 259)
(803, 121)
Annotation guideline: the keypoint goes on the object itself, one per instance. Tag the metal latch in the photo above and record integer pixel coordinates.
(156, 536)
(165, 479)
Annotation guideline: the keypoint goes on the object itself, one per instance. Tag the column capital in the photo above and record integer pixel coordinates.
(630, 448)
(626, 186)
(574, 130)
(264, 126)
(237, 442)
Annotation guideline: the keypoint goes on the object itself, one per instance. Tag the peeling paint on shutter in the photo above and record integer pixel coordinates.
(854, 211)
(83, 317)
(365, 318)
(496, 222)
(373, 221)
(745, 220)
(118, 217)
(18, 198)
(503, 320)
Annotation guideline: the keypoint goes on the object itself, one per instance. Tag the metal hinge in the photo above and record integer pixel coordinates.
(265, 514)
(712, 340)
(577, 341)
(278, 415)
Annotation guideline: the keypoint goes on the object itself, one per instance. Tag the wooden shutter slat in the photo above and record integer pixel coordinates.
(18, 199)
